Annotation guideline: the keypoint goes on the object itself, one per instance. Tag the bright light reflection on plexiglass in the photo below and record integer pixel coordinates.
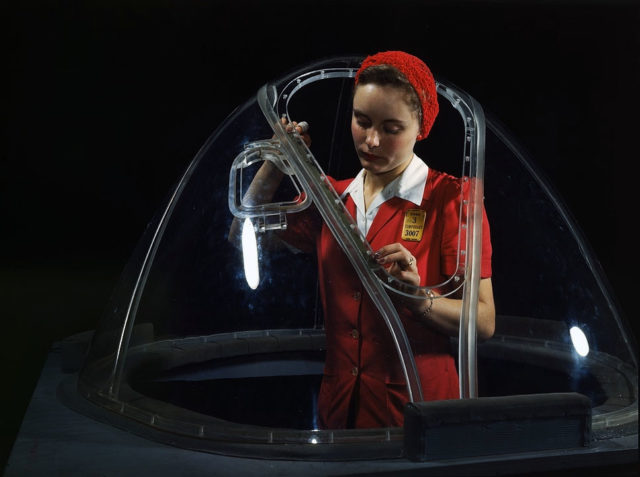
(579, 340)
(250, 254)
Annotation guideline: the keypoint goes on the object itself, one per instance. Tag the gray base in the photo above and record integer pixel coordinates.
(54, 440)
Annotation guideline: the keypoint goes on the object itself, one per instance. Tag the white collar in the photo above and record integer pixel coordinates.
(408, 186)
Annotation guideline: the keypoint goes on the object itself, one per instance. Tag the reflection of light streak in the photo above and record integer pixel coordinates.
(579, 341)
(250, 254)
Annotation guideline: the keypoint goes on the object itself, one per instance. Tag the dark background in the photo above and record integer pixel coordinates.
(106, 103)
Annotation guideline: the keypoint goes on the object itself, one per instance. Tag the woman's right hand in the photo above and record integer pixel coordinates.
(301, 128)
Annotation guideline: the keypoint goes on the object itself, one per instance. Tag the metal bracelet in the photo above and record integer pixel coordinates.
(427, 311)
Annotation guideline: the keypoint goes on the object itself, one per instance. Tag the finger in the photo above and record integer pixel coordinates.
(307, 139)
(288, 126)
(411, 278)
(391, 248)
(395, 253)
(407, 262)
(300, 127)
(384, 251)
(411, 262)
(408, 276)
(402, 258)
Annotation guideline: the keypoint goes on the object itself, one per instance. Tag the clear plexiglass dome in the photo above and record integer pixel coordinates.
(215, 340)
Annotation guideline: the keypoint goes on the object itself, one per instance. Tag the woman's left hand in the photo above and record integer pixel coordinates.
(442, 314)
(399, 263)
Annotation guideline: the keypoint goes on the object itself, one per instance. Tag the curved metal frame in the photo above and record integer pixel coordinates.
(274, 104)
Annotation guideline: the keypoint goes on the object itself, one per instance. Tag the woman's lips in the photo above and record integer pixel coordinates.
(370, 157)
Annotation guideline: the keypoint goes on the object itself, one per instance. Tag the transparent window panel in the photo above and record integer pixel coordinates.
(209, 348)
(557, 328)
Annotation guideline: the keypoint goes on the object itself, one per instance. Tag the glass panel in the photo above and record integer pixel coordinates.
(557, 327)
(196, 347)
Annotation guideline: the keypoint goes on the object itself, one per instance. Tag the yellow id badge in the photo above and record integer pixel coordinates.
(413, 225)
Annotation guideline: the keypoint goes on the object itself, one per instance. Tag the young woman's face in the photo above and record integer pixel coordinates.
(384, 128)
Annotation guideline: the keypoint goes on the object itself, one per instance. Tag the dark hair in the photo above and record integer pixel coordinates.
(387, 75)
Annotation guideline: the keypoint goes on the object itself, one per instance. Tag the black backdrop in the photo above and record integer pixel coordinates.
(107, 102)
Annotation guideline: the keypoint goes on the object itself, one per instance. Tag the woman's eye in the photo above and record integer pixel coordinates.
(362, 124)
(392, 130)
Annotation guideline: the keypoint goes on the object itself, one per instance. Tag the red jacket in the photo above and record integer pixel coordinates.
(363, 383)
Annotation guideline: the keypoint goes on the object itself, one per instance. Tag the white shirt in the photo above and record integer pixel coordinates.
(408, 186)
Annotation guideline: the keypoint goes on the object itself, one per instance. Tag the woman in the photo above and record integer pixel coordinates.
(409, 214)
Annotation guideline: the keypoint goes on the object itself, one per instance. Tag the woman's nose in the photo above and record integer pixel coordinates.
(373, 139)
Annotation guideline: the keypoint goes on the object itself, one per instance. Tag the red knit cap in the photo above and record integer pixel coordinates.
(418, 75)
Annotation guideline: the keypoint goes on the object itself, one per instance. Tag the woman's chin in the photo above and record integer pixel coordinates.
(372, 167)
